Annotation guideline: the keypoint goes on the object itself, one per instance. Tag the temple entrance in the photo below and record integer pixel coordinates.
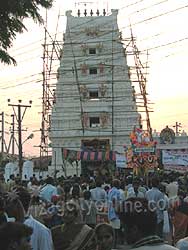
(98, 167)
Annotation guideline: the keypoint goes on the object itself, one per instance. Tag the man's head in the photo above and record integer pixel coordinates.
(104, 236)
(129, 179)
(70, 212)
(24, 197)
(15, 236)
(87, 195)
(136, 184)
(116, 183)
(14, 207)
(139, 218)
(99, 182)
(50, 181)
(76, 190)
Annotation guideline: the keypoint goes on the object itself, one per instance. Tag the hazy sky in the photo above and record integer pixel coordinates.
(159, 27)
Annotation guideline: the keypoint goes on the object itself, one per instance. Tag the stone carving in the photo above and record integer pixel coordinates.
(104, 119)
(61, 53)
(99, 47)
(129, 72)
(120, 35)
(133, 94)
(103, 89)
(58, 73)
(101, 68)
(84, 91)
(84, 68)
(84, 48)
(93, 32)
(85, 120)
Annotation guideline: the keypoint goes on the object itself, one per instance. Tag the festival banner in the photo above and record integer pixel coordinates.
(175, 157)
(121, 161)
(144, 150)
(100, 156)
(107, 155)
(181, 169)
(65, 153)
(85, 155)
(78, 155)
(92, 156)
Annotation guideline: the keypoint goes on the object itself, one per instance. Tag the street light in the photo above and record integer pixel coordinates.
(28, 138)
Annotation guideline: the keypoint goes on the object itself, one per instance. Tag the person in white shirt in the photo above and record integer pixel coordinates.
(157, 202)
(172, 189)
(129, 187)
(48, 190)
(122, 191)
(172, 192)
(98, 194)
(41, 239)
(135, 191)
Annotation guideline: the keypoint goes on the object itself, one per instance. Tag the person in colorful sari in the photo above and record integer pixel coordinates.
(180, 218)
(72, 235)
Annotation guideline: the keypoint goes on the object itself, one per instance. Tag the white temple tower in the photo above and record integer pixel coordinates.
(95, 101)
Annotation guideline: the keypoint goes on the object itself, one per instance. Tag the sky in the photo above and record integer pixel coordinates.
(159, 27)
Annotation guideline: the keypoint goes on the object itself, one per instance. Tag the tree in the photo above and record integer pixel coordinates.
(12, 15)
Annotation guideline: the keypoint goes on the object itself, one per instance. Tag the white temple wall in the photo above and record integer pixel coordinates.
(112, 72)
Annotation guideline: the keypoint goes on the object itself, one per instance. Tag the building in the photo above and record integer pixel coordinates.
(95, 106)
(173, 149)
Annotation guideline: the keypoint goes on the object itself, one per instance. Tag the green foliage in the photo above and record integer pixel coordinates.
(12, 14)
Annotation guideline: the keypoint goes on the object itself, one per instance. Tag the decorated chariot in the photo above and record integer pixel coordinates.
(141, 154)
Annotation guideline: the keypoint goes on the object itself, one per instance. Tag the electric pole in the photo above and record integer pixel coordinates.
(12, 138)
(19, 115)
(12, 134)
(177, 126)
(2, 132)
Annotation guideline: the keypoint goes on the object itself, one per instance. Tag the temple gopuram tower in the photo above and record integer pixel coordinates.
(95, 106)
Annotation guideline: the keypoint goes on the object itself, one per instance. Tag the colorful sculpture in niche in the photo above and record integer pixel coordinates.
(104, 119)
(84, 68)
(101, 68)
(84, 91)
(103, 89)
(85, 120)
(99, 47)
(84, 48)
(93, 32)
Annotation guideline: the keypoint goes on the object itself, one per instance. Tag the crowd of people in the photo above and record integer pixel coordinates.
(95, 212)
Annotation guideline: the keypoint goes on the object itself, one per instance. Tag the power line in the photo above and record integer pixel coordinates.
(126, 7)
(153, 48)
